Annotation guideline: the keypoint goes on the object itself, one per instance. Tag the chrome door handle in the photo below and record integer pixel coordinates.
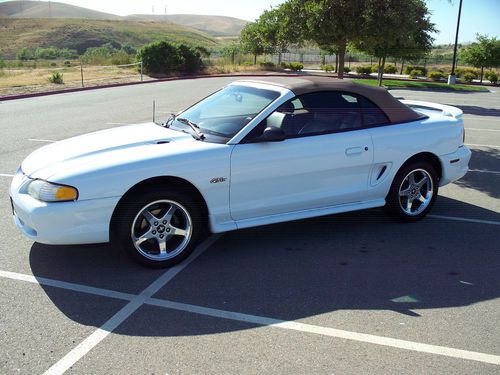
(352, 151)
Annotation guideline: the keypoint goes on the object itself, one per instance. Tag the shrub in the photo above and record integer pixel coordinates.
(56, 78)
(24, 54)
(364, 69)
(67, 63)
(285, 65)
(347, 69)
(468, 77)
(160, 57)
(296, 66)
(53, 64)
(487, 74)
(409, 68)
(246, 63)
(461, 72)
(192, 59)
(374, 68)
(436, 75)
(163, 57)
(493, 78)
(267, 65)
(415, 73)
(390, 69)
(121, 58)
(328, 68)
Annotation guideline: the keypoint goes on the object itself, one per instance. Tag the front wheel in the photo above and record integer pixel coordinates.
(413, 191)
(158, 228)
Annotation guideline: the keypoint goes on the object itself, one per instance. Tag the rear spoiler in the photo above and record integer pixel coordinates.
(446, 110)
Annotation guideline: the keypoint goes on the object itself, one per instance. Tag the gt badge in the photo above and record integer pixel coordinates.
(216, 180)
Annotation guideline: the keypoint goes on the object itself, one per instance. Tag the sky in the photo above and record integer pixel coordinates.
(478, 16)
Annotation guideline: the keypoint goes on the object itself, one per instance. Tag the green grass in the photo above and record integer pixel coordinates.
(393, 83)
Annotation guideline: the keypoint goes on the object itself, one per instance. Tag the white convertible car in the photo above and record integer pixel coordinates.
(252, 153)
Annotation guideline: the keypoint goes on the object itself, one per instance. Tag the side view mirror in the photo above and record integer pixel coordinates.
(273, 134)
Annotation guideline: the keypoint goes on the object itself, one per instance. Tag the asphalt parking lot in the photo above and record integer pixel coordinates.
(355, 293)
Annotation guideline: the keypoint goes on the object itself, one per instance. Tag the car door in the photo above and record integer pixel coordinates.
(324, 161)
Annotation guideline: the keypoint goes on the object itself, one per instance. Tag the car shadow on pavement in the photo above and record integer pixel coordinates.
(487, 159)
(357, 261)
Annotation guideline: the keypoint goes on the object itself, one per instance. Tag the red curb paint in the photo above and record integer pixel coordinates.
(76, 89)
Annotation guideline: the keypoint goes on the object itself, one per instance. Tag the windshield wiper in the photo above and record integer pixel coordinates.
(199, 135)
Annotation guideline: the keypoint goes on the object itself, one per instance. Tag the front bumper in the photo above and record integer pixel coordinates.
(60, 223)
(455, 165)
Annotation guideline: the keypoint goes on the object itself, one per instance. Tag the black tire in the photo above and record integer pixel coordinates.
(396, 204)
(131, 220)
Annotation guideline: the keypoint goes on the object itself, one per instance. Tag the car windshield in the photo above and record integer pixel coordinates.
(226, 112)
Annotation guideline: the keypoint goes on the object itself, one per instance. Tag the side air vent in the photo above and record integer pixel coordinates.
(381, 172)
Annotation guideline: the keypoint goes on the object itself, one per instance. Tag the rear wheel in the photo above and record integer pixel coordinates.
(413, 191)
(158, 228)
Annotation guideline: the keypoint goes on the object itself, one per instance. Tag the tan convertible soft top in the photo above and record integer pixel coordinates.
(393, 108)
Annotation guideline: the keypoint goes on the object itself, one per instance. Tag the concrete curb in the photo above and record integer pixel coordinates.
(76, 89)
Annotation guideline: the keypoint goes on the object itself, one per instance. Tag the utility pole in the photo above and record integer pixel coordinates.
(452, 78)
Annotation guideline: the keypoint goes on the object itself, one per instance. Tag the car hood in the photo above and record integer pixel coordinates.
(49, 159)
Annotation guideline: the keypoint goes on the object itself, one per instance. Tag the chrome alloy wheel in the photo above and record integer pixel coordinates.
(161, 230)
(415, 192)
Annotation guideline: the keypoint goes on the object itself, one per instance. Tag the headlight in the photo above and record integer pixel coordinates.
(49, 192)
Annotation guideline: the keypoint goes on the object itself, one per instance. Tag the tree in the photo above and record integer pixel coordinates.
(252, 41)
(328, 23)
(483, 53)
(230, 51)
(395, 28)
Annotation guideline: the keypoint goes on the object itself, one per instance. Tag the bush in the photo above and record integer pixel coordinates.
(296, 66)
(67, 63)
(493, 78)
(436, 75)
(53, 64)
(121, 58)
(390, 69)
(267, 65)
(328, 68)
(374, 68)
(192, 59)
(56, 78)
(468, 77)
(347, 69)
(163, 57)
(415, 73)
(285, 65)
(409, 68)
(24, 54)
(364, 69)
(461, 72)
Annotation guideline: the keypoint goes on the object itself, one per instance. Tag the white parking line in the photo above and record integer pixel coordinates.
(489, 119)
(331, 332)
(100, 334)
(464, 219)
(69, 286)
(41, 140)
(6, 175)
(483, 130)
(483, 171)
(480, 145)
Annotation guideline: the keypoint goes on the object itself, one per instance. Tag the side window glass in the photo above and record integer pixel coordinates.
(372, 115)
(328, 112)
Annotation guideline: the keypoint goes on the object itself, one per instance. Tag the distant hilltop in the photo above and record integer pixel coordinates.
(213, 25)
